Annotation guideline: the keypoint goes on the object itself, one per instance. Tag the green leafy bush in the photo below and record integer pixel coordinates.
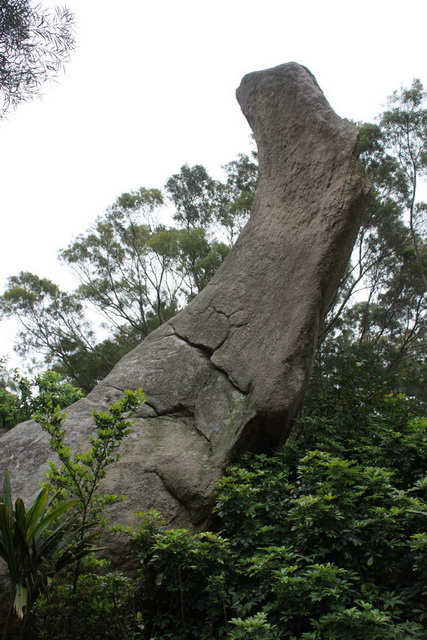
(256, 627)
(324, 539)
(182, 590)
(79, 475)
(100, 608)
(37, 543)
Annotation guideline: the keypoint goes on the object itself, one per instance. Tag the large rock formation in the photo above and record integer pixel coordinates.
(230, 371)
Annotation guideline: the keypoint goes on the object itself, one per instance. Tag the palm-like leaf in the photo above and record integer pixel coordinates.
(32, 550)
(7, 494)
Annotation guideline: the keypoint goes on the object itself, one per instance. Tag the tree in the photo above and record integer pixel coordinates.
(374, 337)
(126, 264)
(193, 192)
(238, 194)
(133, 269)
(8, 396)
(21, 397)
(200, 201)
(54, 325)
(137, 272)
(405, 136)
(34, 45)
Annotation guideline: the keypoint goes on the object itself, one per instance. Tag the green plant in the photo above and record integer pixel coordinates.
(52, 387)
(323, 539)
(182, 591)
(101, 608)
(255, 627)
(21, 397)
(34, 546)
(79, 475)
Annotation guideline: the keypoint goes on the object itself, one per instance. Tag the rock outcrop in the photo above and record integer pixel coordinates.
(230, 371)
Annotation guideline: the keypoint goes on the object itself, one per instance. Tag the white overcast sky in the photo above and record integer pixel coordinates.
(151, 86)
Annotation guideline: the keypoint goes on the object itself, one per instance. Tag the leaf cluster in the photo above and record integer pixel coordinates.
(36, 543)
(34, 46)
(21, 397)
(100, 608)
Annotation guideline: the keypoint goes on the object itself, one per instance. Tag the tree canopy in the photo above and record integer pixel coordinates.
(374, 337)
(138, 270)
(34, 46)
(134, 269)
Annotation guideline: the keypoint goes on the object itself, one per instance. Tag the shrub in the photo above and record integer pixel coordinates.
(100, 608)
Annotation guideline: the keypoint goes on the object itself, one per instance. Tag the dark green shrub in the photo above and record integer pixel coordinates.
(324, 539)
(183, 578)
(101, 608)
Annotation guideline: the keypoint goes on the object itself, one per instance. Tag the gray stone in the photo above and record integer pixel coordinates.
(230, 371)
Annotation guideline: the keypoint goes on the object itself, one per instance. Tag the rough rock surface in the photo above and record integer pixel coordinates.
(230, 371)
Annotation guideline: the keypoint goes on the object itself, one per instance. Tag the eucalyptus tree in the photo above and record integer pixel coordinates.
(53, 325)
(34, 46)
(221, 207)
(404, 126)
(135, 270)
(132, 268)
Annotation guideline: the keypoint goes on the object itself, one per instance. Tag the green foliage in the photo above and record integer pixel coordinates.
(53, 324)
(132, 268)
(374, 338)
(192, 191)
(9, 401)
(255, 627)
(51, 388)
(382, 431)
(182, 591)
(100, 608)
(34, 46)
(138, 272)
(405, 136)
(21, 397)
(79, 475)
(36, 543)
(77, 481)
(323, 539)
(236, 196)
(200, 201)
